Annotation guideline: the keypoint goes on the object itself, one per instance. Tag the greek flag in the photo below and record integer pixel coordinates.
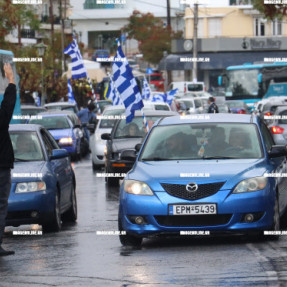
(159, 98)
(170, 96)
(146, 90)
(112, 95)
(126, 84)
(71, 98)
(78, 69)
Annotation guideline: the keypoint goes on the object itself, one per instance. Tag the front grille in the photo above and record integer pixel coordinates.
(204, 190)
(193, 220)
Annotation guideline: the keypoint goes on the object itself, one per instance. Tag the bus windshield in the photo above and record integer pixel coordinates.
(7, 57)
(242, 83)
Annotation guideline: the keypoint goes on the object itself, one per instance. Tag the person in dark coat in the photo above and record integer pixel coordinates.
(6, 150)
(213, 108)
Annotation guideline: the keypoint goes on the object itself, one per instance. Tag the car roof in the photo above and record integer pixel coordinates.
(281, 108)
(30, 107)
(155, 113)
(57, 113)
(60, 104)
(212, 118)
(25, 127)
(114, 107)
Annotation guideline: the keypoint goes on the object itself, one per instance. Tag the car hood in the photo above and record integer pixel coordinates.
(27, 170)
(182, 172)
(57, 134)
(126, 143)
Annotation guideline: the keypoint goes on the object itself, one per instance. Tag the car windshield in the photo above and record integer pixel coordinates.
(135, 129)
(195, 87)
(202, 141)
(31, 111)
(26, 146)
(52, 123)
(106, 122)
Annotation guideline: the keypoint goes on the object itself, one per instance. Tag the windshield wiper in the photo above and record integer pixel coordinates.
(219, 157)
(20, 159)
(155, 159)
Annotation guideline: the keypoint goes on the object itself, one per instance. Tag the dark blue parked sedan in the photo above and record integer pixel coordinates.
(65, 128)
(215, 172)
(43, 181)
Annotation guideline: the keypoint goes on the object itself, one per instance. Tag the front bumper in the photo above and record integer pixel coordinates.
(21, 207)
(231, 209)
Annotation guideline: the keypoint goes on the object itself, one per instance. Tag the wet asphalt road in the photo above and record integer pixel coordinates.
(77, 256)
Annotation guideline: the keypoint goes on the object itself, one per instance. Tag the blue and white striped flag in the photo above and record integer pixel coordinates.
(170, 96)
(71, 98)
(112, 95)
(146, 93)
(78, 69)
(159, 98)
(126, 84)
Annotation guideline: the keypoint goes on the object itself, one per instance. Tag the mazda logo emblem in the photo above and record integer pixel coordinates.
(191, 187)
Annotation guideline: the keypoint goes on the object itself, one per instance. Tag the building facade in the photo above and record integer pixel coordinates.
(230, 35)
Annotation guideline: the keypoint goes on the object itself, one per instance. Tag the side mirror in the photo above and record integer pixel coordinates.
(138, 147)
(219, 80)
(106, 137)
(91, 128)
(277, 151)
(77, 126)
(129, 155)
(58, 153)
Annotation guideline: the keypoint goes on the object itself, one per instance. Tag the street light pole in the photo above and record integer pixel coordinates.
(41, 51)
(195, 23)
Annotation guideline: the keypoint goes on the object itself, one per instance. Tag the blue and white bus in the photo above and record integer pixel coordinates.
(7, 57)
(250, 82)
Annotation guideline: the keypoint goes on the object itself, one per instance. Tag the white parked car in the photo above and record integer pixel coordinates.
(105, 125)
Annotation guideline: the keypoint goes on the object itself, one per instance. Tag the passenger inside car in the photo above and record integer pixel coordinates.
(26, 148)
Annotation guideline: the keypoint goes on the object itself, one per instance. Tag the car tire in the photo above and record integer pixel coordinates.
(72, 213)
(276, 220)
(127, 239)
(96, 166)
(55, 224)
(112, 181)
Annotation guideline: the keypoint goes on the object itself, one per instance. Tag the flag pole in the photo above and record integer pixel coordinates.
(94, 98)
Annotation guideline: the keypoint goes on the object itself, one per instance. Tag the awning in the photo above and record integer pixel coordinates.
(218, 61)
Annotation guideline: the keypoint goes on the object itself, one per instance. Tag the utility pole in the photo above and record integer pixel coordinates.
(168, 14)
(168, 73)
(62, 35)
(195, 23)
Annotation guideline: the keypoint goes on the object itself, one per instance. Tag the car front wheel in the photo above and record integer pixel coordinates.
(55, 224)
(127, 239)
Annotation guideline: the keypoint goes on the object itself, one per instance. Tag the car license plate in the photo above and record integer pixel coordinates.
(192, 209)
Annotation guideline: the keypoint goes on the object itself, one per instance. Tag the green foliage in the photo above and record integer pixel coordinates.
(270, 11)
(153, 37)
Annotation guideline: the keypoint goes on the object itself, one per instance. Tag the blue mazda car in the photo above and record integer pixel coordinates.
(209, 172)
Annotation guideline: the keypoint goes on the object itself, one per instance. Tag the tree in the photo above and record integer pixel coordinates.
(270, 11)
(15, 16)
(153, 37)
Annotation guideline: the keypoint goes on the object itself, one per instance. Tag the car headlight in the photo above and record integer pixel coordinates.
(137, 187)
(251, 184)
(30, 186)
(67, 140)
